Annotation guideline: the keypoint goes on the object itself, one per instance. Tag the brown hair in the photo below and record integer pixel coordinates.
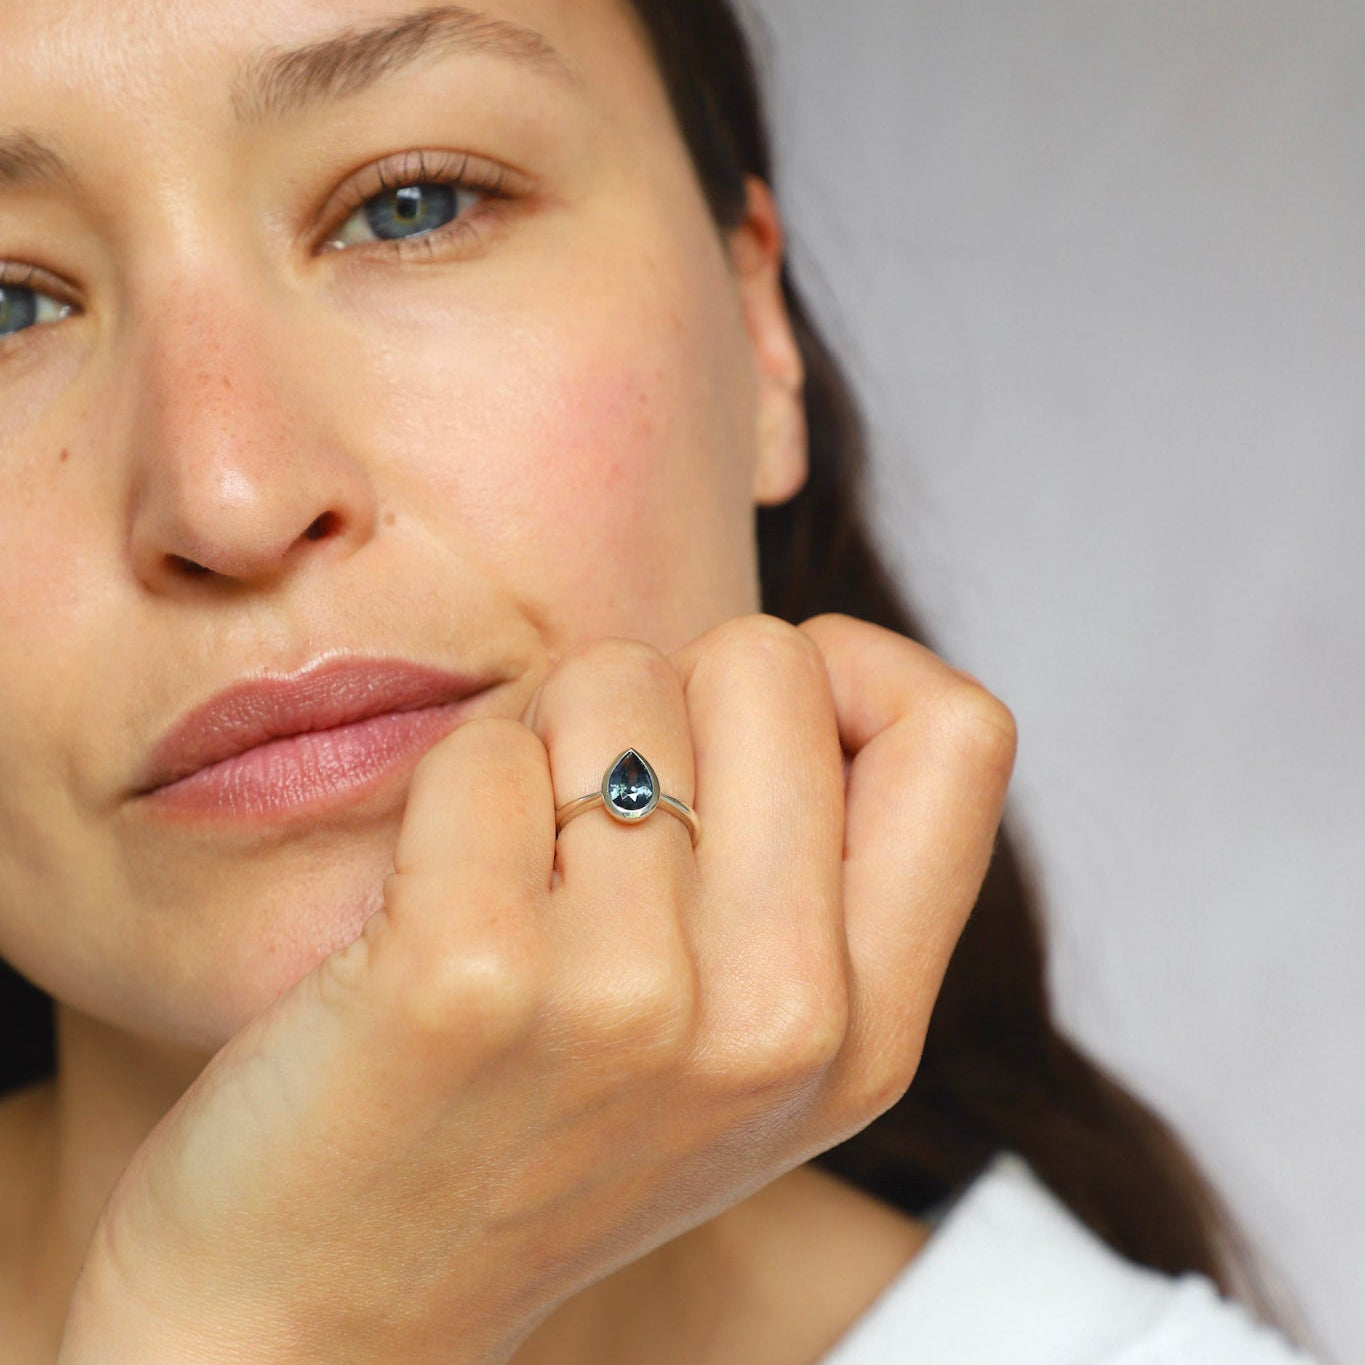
(997, 1073)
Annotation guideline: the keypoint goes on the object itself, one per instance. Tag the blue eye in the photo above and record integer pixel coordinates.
(419, 197)
(424, 198)
(22, 308)
(409, 211)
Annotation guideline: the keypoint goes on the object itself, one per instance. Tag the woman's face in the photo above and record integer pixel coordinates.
(262, 402)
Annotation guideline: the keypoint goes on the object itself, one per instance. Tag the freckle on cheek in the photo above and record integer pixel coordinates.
(64, 456)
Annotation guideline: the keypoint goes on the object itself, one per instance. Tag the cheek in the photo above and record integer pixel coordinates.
(590, 469)
(54, 628)
(611, 494)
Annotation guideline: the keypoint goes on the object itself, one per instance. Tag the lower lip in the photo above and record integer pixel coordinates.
(309, 774)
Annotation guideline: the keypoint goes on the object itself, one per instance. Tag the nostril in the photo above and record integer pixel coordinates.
(321, 527)
(188, 567)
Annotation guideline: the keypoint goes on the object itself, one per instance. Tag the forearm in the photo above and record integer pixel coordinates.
(109, 1325)
(112, 1322)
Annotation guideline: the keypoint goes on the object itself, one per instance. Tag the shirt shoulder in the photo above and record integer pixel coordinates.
(1010, 1274)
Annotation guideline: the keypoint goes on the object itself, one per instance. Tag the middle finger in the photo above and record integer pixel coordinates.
(769, 931)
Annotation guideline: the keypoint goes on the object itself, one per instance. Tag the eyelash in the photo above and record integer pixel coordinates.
(461, 171)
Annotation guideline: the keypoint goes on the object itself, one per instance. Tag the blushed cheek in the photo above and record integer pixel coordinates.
(581, 468)
(615, 502)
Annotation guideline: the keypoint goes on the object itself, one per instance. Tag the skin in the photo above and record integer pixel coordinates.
(546, 434)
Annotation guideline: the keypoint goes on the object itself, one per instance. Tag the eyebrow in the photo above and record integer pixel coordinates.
(24, 161)
(275, 82)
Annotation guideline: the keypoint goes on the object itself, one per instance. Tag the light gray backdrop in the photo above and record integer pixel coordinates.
(1100, 269)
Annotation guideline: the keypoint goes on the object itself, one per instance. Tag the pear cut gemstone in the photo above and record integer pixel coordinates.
(630, 787)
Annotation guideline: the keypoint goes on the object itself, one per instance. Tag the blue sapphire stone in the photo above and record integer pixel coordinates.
(630, 787)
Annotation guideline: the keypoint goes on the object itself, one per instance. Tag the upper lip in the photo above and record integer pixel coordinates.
(319, 697)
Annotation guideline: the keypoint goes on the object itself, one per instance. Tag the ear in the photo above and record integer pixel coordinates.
(757, 247)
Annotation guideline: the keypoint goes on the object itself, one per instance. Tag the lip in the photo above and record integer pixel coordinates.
(324, 736)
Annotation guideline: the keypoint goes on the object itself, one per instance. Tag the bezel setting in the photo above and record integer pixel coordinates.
(625, 815)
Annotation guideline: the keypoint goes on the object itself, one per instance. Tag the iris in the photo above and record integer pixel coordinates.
(18, 309)
(411, 210)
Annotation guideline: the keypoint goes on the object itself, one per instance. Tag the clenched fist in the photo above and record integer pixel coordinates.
(545, 1057)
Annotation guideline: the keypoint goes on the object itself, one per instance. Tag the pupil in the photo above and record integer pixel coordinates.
(411, 210)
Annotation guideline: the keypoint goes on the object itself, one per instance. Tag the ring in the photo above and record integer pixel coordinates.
(630, 793)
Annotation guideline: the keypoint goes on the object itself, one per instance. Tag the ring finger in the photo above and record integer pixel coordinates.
(621, 890)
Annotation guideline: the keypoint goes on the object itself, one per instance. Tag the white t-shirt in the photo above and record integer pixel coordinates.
(1010, 1276)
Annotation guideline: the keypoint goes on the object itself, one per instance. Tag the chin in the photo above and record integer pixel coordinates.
(237, 975)
(273, 963)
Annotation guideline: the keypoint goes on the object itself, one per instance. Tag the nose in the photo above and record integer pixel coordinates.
(237, 469)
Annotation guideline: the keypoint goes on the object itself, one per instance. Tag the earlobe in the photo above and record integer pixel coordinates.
(757, 247)
(783, 462)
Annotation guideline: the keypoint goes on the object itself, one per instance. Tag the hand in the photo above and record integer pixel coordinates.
(544, 1058)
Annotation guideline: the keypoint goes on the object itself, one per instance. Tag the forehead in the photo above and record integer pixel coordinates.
(95, 91)
(141, 51)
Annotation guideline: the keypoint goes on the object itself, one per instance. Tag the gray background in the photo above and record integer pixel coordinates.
(1098, 270)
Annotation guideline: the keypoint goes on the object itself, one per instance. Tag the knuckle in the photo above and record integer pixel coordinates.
(634, 659)
(792, 1041)
(878, 1081)
(980, 722)
(808, 1029)
(836, 633)
(763, 641)
(640, 1011)
(480, 1001)
(828, 620)
(475, 990)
